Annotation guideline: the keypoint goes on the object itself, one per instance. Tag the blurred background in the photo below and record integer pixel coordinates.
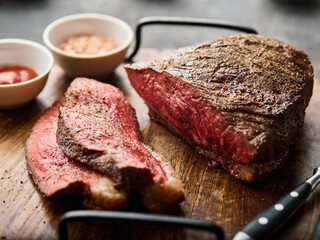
(296, 22)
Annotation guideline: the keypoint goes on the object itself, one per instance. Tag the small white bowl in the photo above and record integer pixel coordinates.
(29, 54)
(97, 66)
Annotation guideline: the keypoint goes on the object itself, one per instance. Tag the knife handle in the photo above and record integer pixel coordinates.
(270, 219)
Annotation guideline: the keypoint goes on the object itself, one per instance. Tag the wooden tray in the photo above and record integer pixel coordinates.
(211, 194)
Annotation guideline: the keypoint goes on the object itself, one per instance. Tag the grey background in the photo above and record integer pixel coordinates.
(295, 22)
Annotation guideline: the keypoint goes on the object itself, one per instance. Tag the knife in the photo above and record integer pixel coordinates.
(274, 216)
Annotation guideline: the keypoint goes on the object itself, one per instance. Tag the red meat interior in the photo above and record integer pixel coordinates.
(189, 115)
(50, 167)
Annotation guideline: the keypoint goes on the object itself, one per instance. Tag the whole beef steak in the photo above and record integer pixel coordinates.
(98, 126)
(57, 176)
(237, 100)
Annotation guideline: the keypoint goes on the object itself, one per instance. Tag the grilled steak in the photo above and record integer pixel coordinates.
(56, 175)
(237, 100)
(97, 126)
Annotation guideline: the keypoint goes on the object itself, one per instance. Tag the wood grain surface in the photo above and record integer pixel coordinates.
(211, 194)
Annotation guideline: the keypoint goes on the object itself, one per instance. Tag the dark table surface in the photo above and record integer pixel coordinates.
(296, 22)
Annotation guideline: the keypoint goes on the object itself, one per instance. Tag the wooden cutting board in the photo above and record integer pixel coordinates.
(211, 194)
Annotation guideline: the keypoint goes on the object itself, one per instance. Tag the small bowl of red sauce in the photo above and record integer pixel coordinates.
(24, 70)
(88, 44)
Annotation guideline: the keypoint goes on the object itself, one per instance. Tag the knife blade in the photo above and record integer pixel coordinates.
(274, 216)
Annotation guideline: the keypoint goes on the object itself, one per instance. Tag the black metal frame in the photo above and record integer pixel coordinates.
(183, 21)
(130, 218)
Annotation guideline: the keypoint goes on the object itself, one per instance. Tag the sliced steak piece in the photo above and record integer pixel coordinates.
(160, 197)
(56, 175)
(98, 126)
(238, 100)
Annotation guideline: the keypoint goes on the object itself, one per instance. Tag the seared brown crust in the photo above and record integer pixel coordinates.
(261, 87)
(247, 73)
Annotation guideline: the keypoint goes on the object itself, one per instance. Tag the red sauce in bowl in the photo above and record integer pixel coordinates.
(10, 74)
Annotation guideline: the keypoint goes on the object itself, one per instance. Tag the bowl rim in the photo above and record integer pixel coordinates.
(25, 42)
(77, 16)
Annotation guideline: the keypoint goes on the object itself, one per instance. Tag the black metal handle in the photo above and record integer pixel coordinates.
(183, 21)
(274, 216)
(130, 218)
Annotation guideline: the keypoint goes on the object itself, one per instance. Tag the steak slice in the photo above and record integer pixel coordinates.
(56, 175)
(98, 126)
(237, 100)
